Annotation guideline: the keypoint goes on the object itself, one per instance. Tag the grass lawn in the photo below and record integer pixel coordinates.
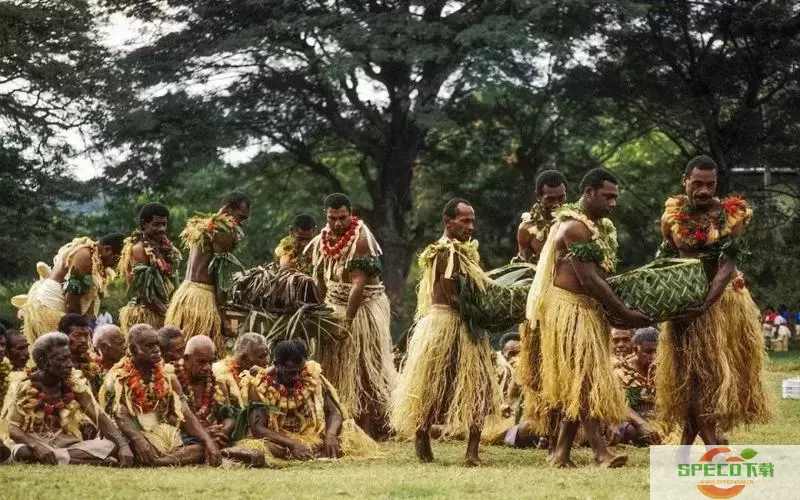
(395, 474)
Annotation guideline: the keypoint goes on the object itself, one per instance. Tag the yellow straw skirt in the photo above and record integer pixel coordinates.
(448, 378)
(534, 410)
(164, 437)
(133, 315)
(576, 373)
(193, 309)
(361, 365)
(38, 319)
(719, 361)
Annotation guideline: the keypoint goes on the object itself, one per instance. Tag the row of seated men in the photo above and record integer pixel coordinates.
(153, 400)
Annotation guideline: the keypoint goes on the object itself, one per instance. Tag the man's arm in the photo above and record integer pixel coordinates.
(107, 427)
(358, 278)
(144, 452)
(42, 452)
(193, 427)
(589, 277)
(260, 429)
(138, 256)
(333, 424)
(524, 243)
(81, 267)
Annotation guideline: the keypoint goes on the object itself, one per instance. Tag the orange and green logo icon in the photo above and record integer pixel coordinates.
(722, 479)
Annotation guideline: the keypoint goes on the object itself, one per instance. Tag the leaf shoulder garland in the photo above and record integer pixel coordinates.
(156, 280)
(297, 260)
(537, 224)
(602, 249)
(82, 284)
(203, 227)
(689, 230)
(34, 411)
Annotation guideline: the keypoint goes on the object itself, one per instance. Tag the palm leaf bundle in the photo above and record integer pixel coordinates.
(222, 268)
(281, 304)
(148, 283)
(662, 288)
(501, 305)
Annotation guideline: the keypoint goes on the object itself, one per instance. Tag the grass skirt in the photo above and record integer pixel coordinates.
(534, 409)
(447, 379)
(133, 315)
(575, 354)
(193, 309)
(361, 366)
(164, 437)
(719, 360)
(42, 310)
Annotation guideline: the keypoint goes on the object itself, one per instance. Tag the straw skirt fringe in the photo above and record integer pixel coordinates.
(193, 309)
(133, 315)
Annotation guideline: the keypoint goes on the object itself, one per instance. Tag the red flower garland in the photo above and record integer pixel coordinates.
(206, 402)
(50, 408)
(343, 242)
(146, 398)
(282, 390)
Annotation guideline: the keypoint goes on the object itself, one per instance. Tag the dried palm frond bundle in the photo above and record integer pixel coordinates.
(281, 304)
(662, 288)
(501, 305)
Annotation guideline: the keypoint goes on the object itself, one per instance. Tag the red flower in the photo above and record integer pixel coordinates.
(234, 222)
(699, 235)
(211, 226)
(282, 390)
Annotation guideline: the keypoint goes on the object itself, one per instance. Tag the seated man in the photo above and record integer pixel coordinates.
(637, 376)
(622, 346)
(109, 344)
(171, 343)
(210, 401)
(311, 423)
(250, 350)
(145, 399)
(49, 408)
(17, 355)
(76, 328)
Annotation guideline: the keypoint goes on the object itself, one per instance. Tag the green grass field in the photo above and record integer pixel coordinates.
(395, 474)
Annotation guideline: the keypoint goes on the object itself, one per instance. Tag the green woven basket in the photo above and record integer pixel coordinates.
(499, 307)
(662, 288)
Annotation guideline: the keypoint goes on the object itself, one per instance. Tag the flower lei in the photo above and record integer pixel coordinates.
(164, 256)
(540, 225)
(147, 396)
(604, 234)
(65, 398)
(296, 390)
(344, 241)
(693, 231)
(233, 368)
(201, 226)
(208, 393)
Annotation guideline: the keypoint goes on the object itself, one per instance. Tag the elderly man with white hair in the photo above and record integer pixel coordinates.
(249, 351)
(209, 400)
(109, 347)
(49, 408)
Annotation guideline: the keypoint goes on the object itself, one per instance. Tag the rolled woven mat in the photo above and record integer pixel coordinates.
(502, 304)
(662, 288)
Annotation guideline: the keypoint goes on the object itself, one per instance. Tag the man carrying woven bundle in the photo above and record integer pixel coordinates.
(49, 408)
(711, 359)
(149, 263)
(198, 306)
(347, 266)
(551, 193)
(146, 400)
(565, 304)
(291, 251)
(448, 377)
(82, 270)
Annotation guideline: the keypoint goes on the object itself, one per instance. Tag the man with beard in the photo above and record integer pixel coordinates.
(448, 376)
(359, 362)
(171, 343)
(49, 408)
(109, 345)
(149, 263)
(198, 305)
(145, 399)
(710, 360)
(312, 422)
(249, 351)
(210, 402)
(551, 193)
(79, 279)
(565, 304)
(290, 253)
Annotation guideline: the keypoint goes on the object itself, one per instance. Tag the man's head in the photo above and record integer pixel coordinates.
(2, 342)
(52, 356)
(551, 189)
(76, 328)
(510, 346)
(143, 345)
(251, 350)
(622, 341)
(109, 341)
(153, 219)
(338, 212)
(171, 343)
(237, 205)
(700, 181)
(459, 219)
(303, 230)
(110, 248)
(646, 340)
(17, 349)
(599, 192)
(290, 358)
(198, 357)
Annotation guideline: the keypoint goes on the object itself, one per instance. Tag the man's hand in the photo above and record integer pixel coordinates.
(332, 449)
(650, 435)
(125, 456)
(690, 314)
(301, 451)
(144, 451)
(217, 434)
(213, 456)
(635, 319)
(44, 454)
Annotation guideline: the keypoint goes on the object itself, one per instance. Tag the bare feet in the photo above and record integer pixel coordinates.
(563, 464)
(472, 462)
(422, 447)
(613, 462)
